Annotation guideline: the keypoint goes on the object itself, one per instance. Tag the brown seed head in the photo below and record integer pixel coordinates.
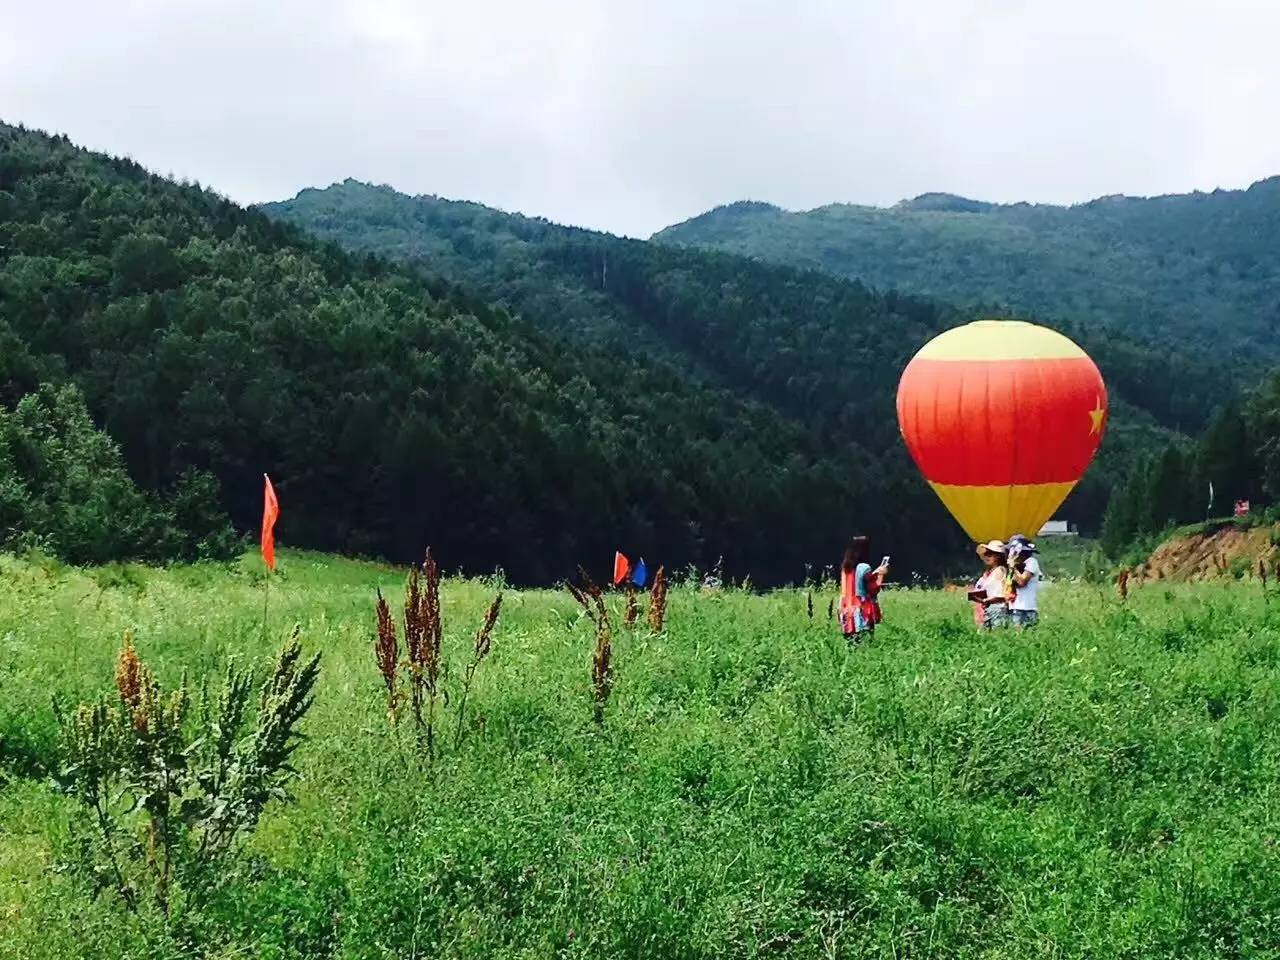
(579, 596)
(414, 618)
(432, 634)
(484, 635)
(602, 668)
(658, 601)
(129, 674)
(386, 646)
(589, 585)
(632, 613)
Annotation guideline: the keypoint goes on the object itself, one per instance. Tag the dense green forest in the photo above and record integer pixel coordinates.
(396, 409)
(822, 350)
(1201, 270)
(1237, 457)
(514, 392)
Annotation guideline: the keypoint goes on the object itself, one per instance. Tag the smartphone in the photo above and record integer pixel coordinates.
(885, 561)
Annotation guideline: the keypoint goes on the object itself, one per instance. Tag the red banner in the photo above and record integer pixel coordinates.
(270, 510)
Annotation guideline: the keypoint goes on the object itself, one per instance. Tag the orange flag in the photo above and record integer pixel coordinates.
(270, 510)
(621, 567)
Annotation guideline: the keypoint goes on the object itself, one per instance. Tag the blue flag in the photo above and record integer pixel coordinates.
(639, 574)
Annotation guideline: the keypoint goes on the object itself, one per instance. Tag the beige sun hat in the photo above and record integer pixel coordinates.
(992, 546)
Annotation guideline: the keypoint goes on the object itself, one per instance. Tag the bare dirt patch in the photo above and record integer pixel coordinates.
(1229, 551)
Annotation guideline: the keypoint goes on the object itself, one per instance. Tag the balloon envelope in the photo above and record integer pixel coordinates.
(1002, 417)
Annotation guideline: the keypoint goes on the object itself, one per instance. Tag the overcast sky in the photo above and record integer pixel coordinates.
(631, 116)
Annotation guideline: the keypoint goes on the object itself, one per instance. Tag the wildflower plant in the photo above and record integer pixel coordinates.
(171, 790)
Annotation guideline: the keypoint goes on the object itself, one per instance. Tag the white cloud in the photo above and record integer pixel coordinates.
(631, 116)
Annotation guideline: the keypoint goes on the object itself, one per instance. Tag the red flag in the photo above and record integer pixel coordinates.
(621, 567)
(270, 510)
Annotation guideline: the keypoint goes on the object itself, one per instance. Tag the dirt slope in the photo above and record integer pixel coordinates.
(1229, 550)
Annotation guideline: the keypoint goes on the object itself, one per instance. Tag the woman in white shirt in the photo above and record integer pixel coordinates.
(991, 590)
(1025, 575)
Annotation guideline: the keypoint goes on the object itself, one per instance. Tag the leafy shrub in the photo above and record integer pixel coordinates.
(63, 483)
(120, 576)
(169, 793)
(204, 532)
(65, 490)
(1097, 569)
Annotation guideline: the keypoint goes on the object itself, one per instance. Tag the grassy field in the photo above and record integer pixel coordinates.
(1105, 787)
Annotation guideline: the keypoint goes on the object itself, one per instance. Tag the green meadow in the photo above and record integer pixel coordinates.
(1105, 786)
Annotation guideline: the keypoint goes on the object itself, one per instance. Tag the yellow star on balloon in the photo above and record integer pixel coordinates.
(1096, 416)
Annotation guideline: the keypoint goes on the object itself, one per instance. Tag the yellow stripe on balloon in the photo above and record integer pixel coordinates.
(996, 513)
(999, 340)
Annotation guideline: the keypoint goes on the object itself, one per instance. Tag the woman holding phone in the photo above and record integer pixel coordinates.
(859, 587)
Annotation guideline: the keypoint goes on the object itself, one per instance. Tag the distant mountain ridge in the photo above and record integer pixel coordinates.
(1201, 269)
(944, 202)
(822, 350)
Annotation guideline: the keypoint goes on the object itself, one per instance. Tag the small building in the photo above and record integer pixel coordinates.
(1059, 528)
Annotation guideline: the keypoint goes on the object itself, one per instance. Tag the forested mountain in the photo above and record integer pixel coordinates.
(823, 351)
(514, 393)
(1200, 269)
(395, 409)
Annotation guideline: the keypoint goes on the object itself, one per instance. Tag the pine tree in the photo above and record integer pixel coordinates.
(1119, 523)
(1227, 456)
(1167, 489)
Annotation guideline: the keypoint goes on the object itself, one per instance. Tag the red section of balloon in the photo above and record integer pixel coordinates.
(1002, 422)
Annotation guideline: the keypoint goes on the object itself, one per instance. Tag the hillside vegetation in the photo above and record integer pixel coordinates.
(1201, 270)
(1104, 787)
(64, 490)
(824, 351)
(517, 393)
(394, 409)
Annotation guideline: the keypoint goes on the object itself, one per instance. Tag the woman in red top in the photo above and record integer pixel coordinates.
(859, 587)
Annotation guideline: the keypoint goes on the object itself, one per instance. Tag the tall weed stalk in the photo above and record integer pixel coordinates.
(479, 651)
(658, 601)
(591, 599)
(423, 671)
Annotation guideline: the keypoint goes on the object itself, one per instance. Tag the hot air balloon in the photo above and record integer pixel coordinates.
(1002, 417)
